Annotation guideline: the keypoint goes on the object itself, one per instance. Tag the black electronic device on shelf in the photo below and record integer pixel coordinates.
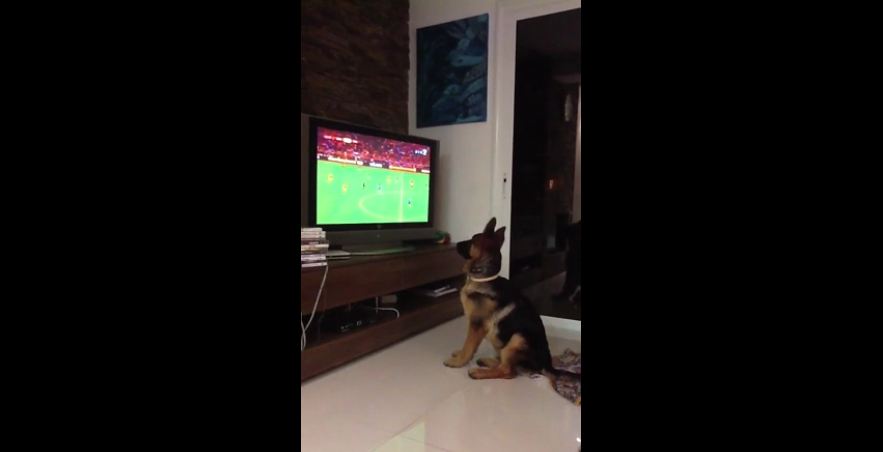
(343, 320)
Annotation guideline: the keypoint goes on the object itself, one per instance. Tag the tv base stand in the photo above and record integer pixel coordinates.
(378, 250)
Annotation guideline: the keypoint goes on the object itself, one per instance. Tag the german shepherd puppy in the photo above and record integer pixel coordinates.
(496, 311)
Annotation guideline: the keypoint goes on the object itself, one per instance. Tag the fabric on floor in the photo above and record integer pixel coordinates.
(568, 385)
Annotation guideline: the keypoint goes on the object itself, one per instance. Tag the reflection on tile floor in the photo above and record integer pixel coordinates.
(403, 399)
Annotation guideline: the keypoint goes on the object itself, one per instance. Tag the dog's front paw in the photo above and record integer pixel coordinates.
(454, 361)
(475, 373)
(457, 359)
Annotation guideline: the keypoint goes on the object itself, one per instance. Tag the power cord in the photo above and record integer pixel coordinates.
(378, 308)
(303, 329)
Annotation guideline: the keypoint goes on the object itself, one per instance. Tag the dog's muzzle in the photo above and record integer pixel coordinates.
(463, 248)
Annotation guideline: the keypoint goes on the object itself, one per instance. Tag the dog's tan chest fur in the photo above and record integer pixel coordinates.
(468, 305)
(477, 304)
(476, 301)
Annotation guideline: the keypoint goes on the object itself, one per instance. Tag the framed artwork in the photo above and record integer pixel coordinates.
(452, 72)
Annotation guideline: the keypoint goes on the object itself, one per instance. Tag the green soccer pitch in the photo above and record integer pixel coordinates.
(351, 194)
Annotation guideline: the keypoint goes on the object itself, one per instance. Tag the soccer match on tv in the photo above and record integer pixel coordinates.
(366, 179)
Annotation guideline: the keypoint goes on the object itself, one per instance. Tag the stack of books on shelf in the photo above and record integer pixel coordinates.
(313, 247)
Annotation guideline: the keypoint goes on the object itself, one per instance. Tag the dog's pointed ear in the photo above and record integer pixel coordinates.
(500, 235)
(489, 229)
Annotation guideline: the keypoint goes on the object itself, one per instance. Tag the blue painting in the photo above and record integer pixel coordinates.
(452, 72)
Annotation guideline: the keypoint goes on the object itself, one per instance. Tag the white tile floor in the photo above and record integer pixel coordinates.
(402, 399)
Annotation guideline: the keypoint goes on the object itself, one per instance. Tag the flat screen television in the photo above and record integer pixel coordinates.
(369, 189)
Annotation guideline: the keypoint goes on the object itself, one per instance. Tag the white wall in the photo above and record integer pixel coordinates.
(577, 167)
(463, 189)
(470, 189)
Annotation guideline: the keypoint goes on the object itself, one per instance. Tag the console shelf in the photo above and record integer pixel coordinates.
(361, 278)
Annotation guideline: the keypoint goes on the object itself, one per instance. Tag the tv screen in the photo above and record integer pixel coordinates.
(365, 177)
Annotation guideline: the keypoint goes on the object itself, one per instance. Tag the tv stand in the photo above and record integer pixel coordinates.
(378, 249)
(364, 277)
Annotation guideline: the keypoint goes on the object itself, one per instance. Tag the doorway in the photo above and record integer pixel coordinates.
(545, 194)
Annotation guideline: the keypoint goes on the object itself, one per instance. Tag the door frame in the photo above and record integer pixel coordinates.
(508, 14)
